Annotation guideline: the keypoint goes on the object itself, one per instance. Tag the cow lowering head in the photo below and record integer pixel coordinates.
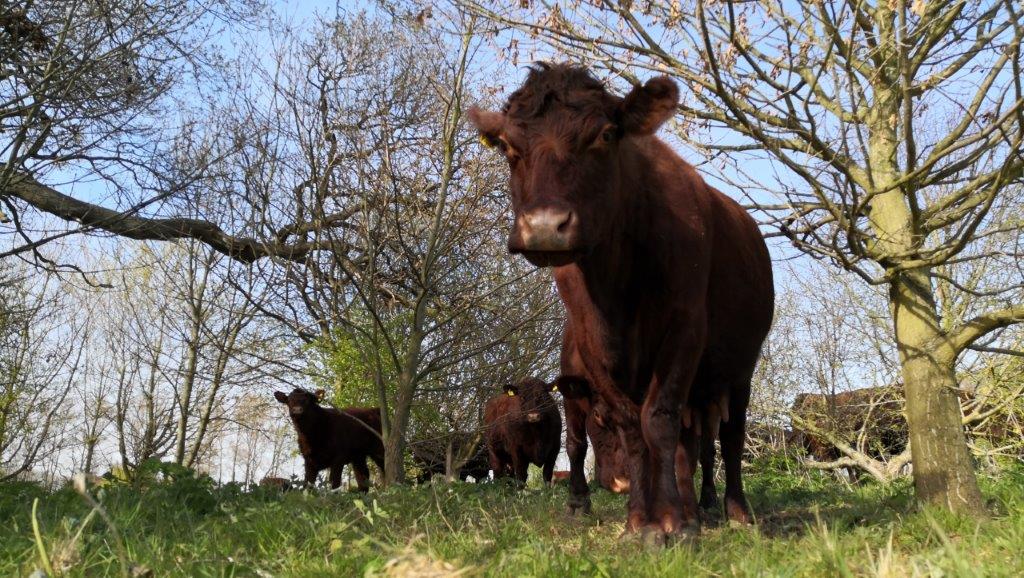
(532, 397)
(300, 400)
(564, 135)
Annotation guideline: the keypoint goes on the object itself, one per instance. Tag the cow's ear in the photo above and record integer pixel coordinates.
(320, 394)
(511, 390)
(281, 397)
(647, 107)
(489, 124)
(572, 385)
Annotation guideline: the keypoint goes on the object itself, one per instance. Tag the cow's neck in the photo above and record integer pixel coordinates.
(626, 258)
(309, 422)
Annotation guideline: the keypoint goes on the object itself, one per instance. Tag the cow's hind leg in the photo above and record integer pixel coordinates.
(362, 472)
(710, 421)
(732, 435)
(336, 475)
(686, 467)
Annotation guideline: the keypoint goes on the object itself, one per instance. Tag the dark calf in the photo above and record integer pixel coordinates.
(332, 438)
(522, 428)
(272, 483)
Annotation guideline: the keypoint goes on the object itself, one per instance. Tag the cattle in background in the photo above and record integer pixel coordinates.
(666, 281)
(522, 427)
(274, 483)
(870, 420)
(330, 438)
(431, 456)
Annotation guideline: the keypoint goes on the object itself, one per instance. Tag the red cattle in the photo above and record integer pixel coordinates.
(274, 483)
(560, 476)
(666, 281)
(331, 438)
(522, 428)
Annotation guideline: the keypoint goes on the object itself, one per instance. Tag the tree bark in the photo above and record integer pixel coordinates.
(943, 467)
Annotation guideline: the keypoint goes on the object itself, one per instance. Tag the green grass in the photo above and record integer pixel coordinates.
(808, 525)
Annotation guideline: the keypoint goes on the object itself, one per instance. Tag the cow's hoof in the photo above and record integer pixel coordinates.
(579, 505)
(740, 524)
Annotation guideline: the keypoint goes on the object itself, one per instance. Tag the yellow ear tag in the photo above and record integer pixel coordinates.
(511, 393)
(554, 388)
(487, 142)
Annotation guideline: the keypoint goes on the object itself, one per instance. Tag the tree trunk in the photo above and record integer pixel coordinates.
(943, 468)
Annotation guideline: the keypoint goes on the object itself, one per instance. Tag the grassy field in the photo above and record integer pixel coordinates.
(808, 525)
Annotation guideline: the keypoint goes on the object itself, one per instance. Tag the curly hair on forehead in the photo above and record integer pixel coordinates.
(564, 83)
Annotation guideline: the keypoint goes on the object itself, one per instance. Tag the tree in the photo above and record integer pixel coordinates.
(100, 128)
(885, 137)
(368, 143)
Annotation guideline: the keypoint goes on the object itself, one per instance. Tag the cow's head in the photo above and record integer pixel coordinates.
(531, 397)
(563, 135)
(572, 386)
(299, 400)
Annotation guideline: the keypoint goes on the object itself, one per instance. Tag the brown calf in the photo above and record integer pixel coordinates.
(522, 428)
(272, 483)
(331, 438)
(666, 281)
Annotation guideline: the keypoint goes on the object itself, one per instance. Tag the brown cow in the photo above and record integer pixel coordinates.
(331, 438)
(274, 483)
(522, 428)
(666, 281)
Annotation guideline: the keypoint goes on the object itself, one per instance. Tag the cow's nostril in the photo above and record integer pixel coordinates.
(566, 223)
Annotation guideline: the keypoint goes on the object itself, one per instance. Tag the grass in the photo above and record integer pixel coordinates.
(808, 525)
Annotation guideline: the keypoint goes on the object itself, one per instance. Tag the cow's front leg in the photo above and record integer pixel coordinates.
(638, 465)
(311, 471)
(520, 467)
(576, 447)
(672, 512)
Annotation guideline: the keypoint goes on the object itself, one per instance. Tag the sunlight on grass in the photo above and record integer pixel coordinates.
(808, 525)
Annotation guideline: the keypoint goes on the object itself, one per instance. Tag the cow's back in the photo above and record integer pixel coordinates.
(356, 433)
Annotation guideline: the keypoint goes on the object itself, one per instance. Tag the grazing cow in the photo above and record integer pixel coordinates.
(666, 281)
(273, 483)
(431, 456)
(331, 438)
(522, 428)
(582, 419)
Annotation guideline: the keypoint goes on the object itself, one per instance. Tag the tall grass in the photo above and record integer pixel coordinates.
(808, 525)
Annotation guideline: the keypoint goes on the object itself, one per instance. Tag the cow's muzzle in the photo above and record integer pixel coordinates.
(546, 236)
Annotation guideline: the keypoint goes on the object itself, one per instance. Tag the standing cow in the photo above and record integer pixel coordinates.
(522, 428)
(331, 438)
(666, 281)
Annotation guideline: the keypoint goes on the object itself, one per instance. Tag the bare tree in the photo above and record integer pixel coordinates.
(41, 354)
(884, 137)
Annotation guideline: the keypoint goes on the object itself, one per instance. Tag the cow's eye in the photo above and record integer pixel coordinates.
(606, 136)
